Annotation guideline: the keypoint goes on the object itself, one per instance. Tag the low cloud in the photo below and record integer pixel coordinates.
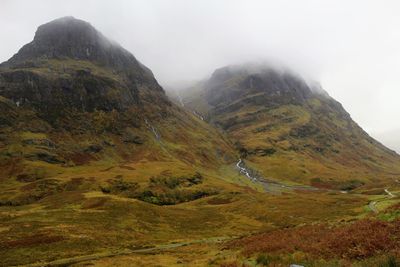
(351, 47)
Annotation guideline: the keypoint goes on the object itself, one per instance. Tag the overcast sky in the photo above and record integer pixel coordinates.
(351, 47)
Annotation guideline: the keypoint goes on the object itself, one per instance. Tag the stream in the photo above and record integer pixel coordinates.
(269, 185)
(153, 129)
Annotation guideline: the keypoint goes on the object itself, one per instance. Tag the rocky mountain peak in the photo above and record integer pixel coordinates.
(71, 65)
(265, 83)
(73, 38)
(70, 37)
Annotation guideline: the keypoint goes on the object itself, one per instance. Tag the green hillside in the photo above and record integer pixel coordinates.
(290, 130)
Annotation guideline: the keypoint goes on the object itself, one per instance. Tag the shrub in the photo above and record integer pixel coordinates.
(105, 190)
(390, 262)
(161, 190)
(169, 182)
(120, 187)
(174, 182)
(149, 197)
(35, 175)
(197, 178)
(350, 185)
(262, 260)
(172, 197)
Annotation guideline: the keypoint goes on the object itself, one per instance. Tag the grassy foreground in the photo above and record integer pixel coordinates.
(86, 223)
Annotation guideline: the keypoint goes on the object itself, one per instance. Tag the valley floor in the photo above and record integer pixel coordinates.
(90, 225)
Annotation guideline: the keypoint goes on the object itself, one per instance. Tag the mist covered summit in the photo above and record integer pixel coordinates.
(290, 128)
(69, 64)
(68, 37)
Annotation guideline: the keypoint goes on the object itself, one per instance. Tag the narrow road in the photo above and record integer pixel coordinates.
(389, 193)
(372, 204)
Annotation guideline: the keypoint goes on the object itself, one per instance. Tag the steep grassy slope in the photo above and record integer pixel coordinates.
(290, 130)
(37, 145)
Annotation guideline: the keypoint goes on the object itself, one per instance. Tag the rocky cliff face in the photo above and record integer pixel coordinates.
(235, 86)
(73, 38)
(273, 86)
(70, 65)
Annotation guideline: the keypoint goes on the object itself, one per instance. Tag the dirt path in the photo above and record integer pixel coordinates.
(389, 193)
(372, 204)
(96, 256)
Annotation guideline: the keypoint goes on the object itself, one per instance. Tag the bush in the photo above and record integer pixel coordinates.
(172, 197)
(351, 185)
(105, 190)
(197, 178)
(149, 197)
(262, 260)
(174, 182)
(390, 262)
(161, 190)
(120, 187)
(169, 182)
(35, 175)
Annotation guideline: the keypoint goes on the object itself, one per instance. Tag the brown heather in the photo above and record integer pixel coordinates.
(355, 241)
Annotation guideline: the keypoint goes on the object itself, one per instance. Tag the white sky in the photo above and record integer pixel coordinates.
(351, 46)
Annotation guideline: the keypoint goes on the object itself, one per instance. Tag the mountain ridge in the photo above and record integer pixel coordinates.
(277, 118)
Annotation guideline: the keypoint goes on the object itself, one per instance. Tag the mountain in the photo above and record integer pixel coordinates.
(96, 156)
(72, 98)
(290, 129)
